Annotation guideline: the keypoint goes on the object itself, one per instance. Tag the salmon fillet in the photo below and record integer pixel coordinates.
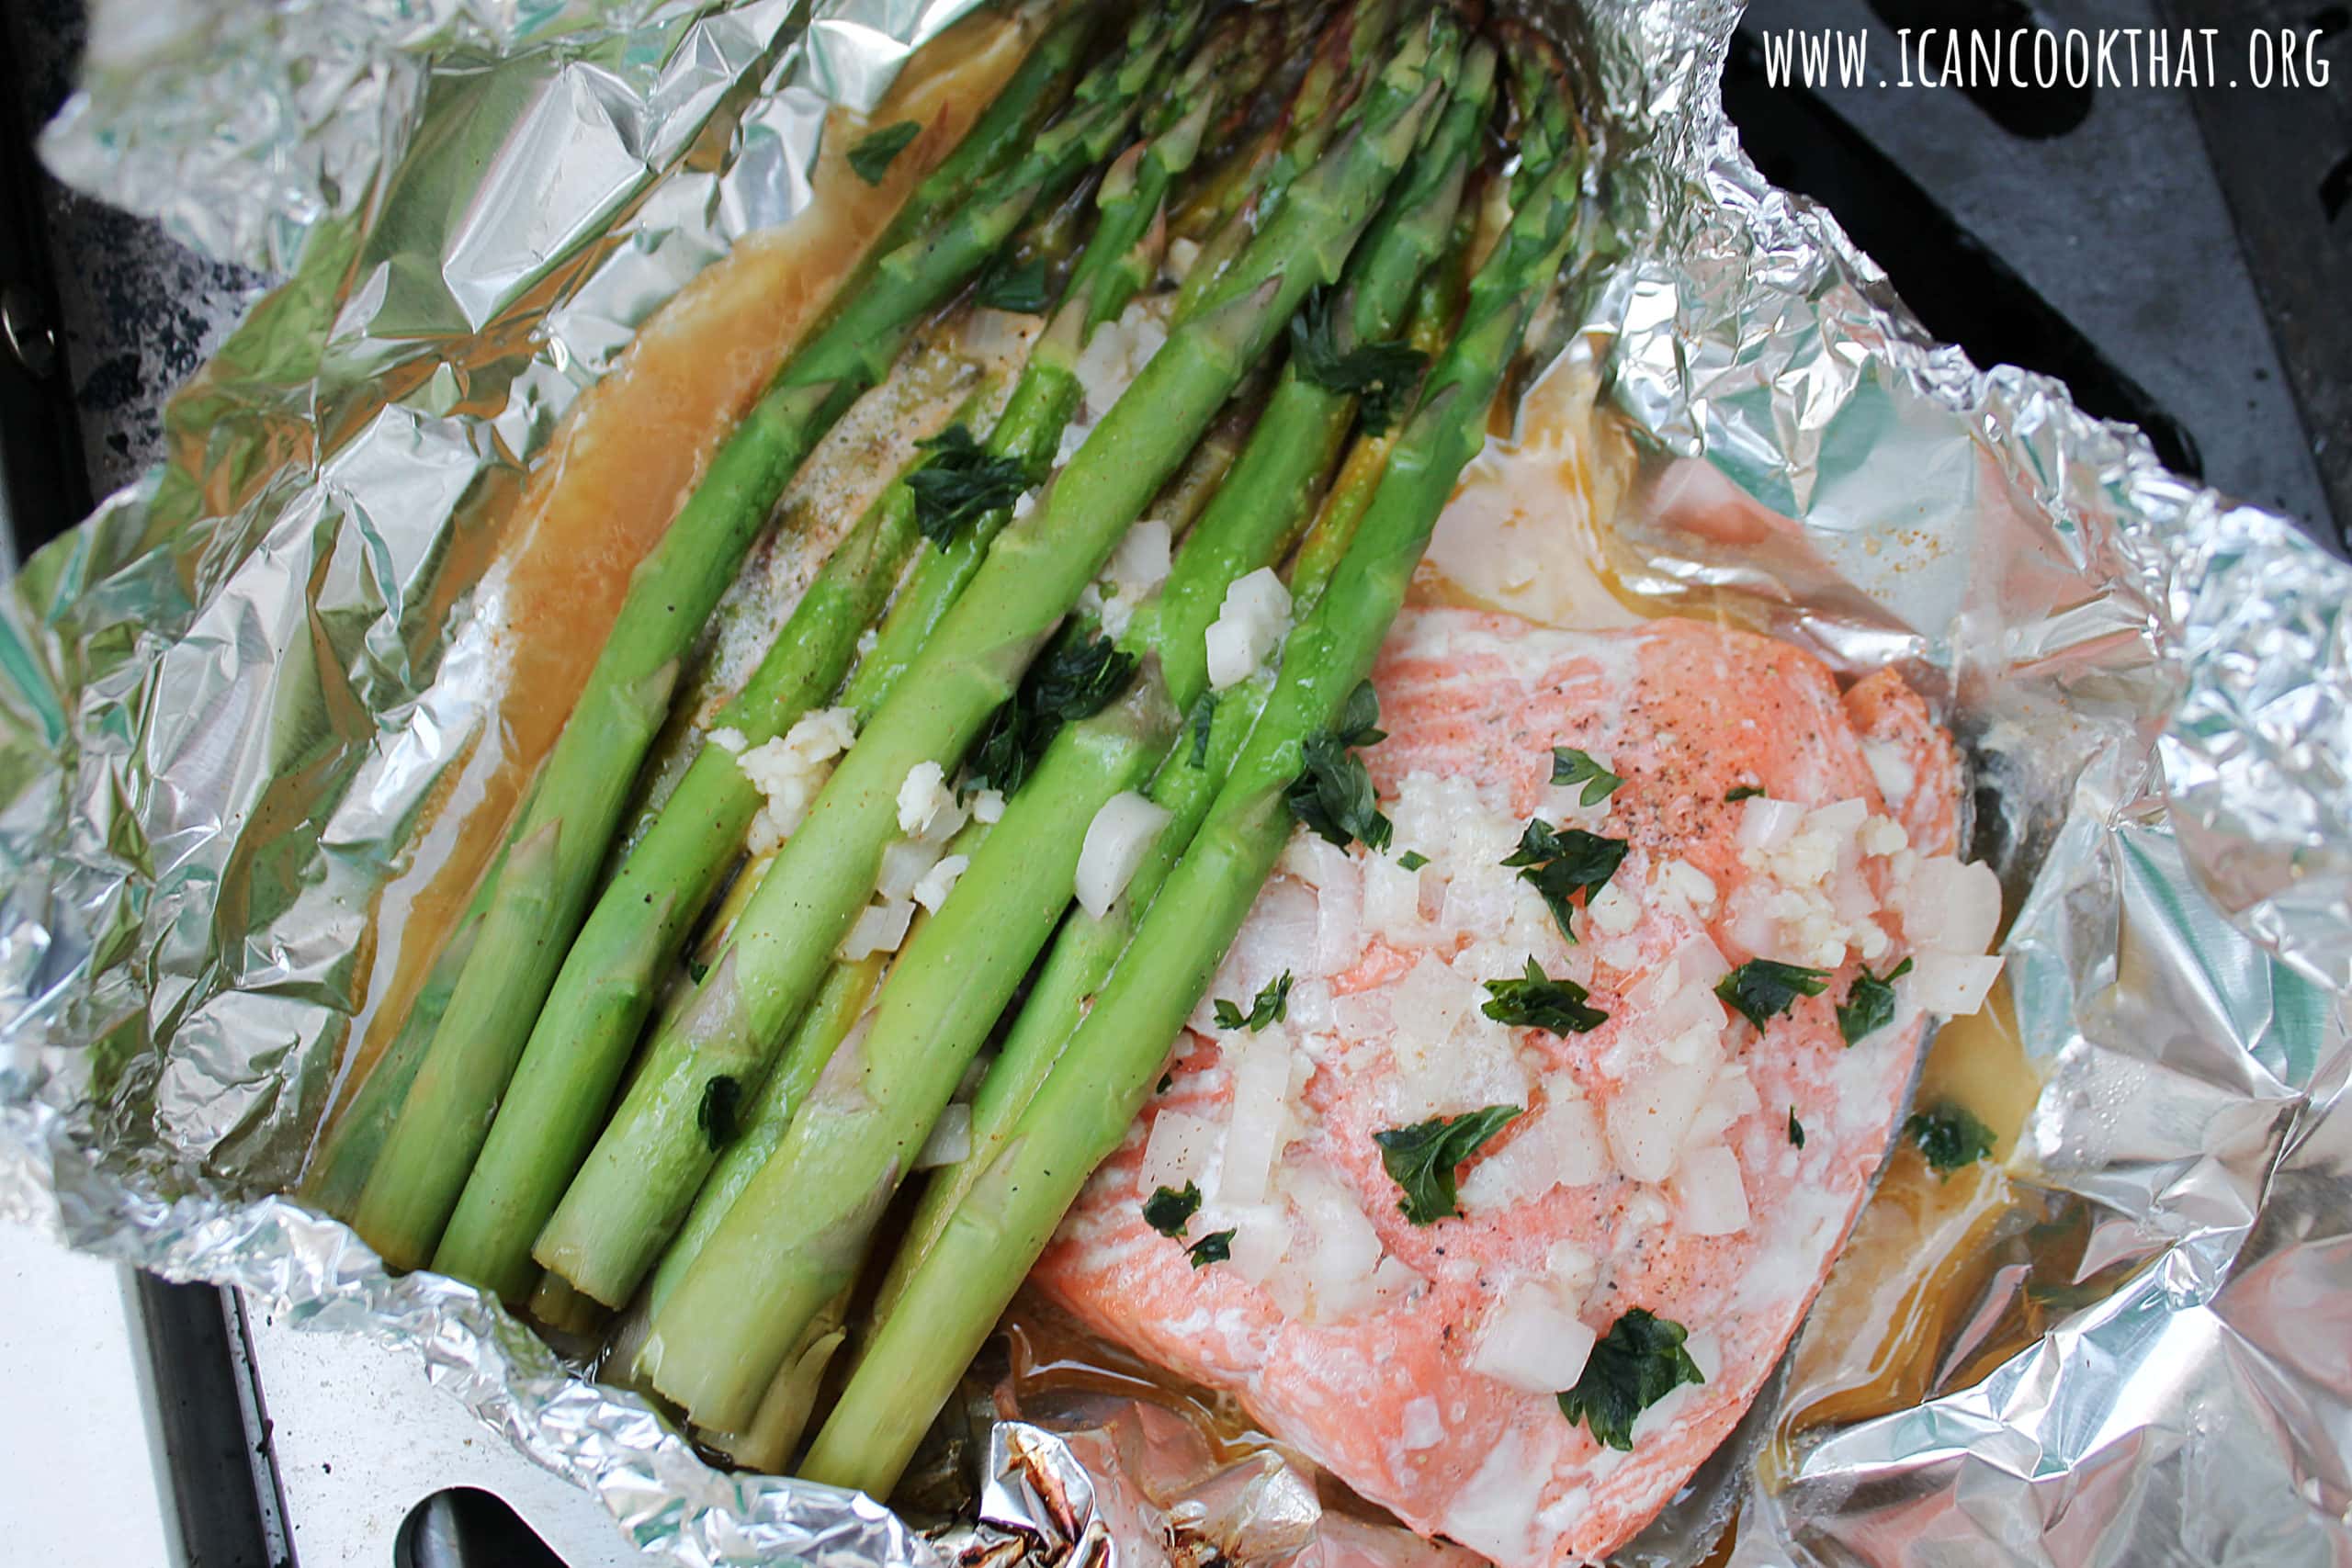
(1420, 1362)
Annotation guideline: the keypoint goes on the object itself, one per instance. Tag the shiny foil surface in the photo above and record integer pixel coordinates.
(223, 708)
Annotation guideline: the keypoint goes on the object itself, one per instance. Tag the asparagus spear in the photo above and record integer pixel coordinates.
(1086, 946)
(970, 665)
(952, 1301)
(557, 846)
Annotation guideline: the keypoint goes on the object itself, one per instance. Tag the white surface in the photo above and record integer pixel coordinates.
(362, 1437)
(78, 1471)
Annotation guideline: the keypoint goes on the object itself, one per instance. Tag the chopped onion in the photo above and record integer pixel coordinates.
(1951, 906)
(727, 738)
(950, 1140)
(940, 881)
(1261, 1238)
(1950, 983)
(879, 929)
(1182, 1148)
(1561, 1145)
(1841, 817)
(1650, 1115)
(925, 801)
(1533, 1341)
(1339, 920)
(988, 805)
(1341, 1249)
(1392, 899)
(1257, 1124)
(1766, 824)
(1708, 1189)
(1250, 625)
(904, 863)
(1573, 1269)
(1891, 770)
(1117, 839)
(1613, 911)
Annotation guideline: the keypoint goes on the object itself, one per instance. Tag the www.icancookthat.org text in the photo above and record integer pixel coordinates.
(1991, 57)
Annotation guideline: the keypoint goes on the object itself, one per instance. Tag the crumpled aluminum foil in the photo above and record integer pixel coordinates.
(219, 671)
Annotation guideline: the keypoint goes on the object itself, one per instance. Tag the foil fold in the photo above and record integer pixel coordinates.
(225, 698)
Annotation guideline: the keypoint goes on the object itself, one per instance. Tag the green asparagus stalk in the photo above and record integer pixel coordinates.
(563, 1084)
(1085, 947)
(1079, 1117)
(602, 1237)
(543, 891)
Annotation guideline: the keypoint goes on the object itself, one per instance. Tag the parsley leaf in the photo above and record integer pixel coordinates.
(1796, 1128)
(1761, 989)
(1560, 862)
(695, 970)
(1332, 794)
(1537, 1001)
(1870, 1005)
(1203, 715)
(1743, 792)
(1169, 1211)
(872, 157)
(961, 482)
(1079, 677)
(1412, 860)
(1382, 374)
(1421, 1158)
(1950, 1137)
(722, 1097)
(1020, 289)
(1572, 766)
(1638, 1363)
(1272, 1004)
(1214, 1247)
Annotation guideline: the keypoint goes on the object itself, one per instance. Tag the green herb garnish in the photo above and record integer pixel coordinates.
(1332, 794)
(1870, 1005)
(1743, 792)
(1203, 715)
(959, 483)
(1168, 1210)
(1077, 678)
(1020, 289)
(1214, 1247)
(1761, 989)
(1271, 1004)
(1572, 766)
(1421, 1159)
(1412, 860)
(1538, 1001)
(1381, 375)
(872, 156)
(1638, 1363)
(722, 1097)
(1796, 1128)
(1950, 1137)
(1560, 862)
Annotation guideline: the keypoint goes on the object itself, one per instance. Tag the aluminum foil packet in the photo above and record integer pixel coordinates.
(223, 703)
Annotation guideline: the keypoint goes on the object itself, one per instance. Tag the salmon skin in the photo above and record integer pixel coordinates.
(1655, 1161)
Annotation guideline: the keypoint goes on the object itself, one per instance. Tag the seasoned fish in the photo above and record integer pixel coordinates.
(1655, 1161)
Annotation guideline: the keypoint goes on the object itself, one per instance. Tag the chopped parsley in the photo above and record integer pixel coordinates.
(1571, 766)
(1271, 1004)
(1560, 862)
(1020, 288)
(1077, 678)
(959, 483)
(1870, 1005)
(1950, 1137)
(1761, 990)
(1169, 1211)
(1332, 794)
(1412, 860)
(1203, 715)
(695, 970)
(1214, 1247)
(1382, 375)
(872, 157)
(1638, 1363)
(1743, 792)
(1421, 1158)
(1796, 1130)
(1538, 1001)
(722, 1097)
